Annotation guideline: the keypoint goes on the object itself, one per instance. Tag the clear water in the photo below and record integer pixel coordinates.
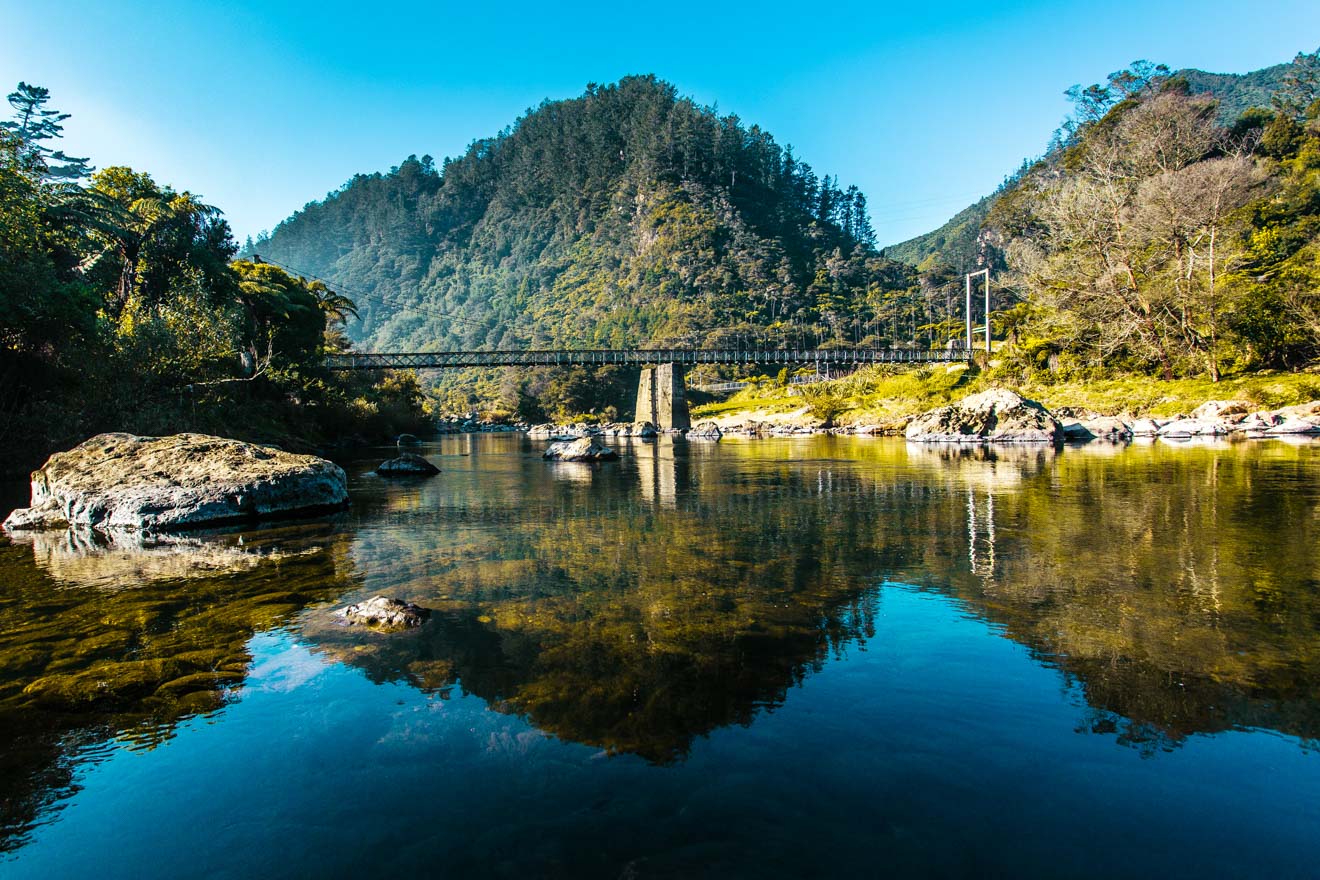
(810, 657)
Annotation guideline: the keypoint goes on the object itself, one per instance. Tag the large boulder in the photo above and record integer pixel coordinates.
(1217, 409)
(1098, 428)
(705, 431)
(409, 464)
(186, 481)
(582, 449)
(994, 416)
(1295, 425)
(1147, 427)
(1193, 427)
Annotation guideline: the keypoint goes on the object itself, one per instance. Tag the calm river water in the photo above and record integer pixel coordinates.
(812, 657)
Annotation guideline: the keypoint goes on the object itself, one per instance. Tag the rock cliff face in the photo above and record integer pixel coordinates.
(120, 481)
(994, 416)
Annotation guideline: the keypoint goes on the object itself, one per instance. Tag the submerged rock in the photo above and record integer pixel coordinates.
(407, 440)
(185, 481)
(382, 612)
(582, 449)
(409, 464)
(994, 416)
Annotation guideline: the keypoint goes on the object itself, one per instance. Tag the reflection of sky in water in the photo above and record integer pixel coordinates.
(1087, 677)
(937, 749)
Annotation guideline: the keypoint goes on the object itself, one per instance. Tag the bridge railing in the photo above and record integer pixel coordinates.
(449, 360)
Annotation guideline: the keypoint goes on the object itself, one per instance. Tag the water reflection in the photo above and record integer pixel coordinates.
(617, 615)
(117, 638)
(641, 605)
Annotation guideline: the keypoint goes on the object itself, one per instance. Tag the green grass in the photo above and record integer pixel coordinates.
(875, 395)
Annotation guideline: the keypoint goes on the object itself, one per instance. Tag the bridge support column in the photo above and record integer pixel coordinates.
(661, 398)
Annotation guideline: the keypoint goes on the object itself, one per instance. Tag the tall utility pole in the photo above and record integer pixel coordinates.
(970, 276)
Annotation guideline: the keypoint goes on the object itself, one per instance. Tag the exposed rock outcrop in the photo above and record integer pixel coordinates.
(582, 449)
(382, 612)
(994, 416)
(185, 481)
(409, 464)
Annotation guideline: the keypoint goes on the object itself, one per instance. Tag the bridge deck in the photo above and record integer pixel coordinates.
(447, 360)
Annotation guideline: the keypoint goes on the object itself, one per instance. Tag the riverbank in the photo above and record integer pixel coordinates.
(882, 401)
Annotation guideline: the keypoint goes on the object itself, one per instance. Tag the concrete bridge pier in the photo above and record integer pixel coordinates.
(661, 399)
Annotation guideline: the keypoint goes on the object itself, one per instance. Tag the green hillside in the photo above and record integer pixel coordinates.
(626, 216)
(955, 243)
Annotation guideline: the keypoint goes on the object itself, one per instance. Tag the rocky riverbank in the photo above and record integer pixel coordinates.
(981, 418)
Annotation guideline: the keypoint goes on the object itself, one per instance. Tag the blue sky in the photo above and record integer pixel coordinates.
(262, 106)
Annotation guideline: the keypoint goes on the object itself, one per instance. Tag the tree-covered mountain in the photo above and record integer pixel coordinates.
(627, 216)
(958, 245)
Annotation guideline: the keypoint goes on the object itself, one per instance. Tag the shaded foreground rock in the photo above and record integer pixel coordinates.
(185, 481)
(382, 612)
(409, 464)
(583, 449)
(994, 416)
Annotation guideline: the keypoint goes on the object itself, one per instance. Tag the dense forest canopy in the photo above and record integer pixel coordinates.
(1171, 228)
(627, 216)
(121, 308)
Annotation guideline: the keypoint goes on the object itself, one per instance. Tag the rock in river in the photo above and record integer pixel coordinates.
(583, 449)
(705, 431)
(383, 612)
(994, 416)
(409, 464)
(185, 481)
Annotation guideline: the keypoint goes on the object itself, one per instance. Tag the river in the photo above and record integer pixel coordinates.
(807, 657)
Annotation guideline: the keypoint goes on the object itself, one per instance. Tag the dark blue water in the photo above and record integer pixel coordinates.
(798, 658)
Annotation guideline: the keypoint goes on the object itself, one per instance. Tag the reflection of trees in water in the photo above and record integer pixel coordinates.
(1173, 586)
(629, 621)
(1176, 588)
(122, 638)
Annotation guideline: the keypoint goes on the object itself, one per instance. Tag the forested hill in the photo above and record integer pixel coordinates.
(955, 243)
(627, 216)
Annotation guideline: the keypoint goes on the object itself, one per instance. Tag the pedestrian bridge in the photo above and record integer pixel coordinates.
(661, 393)
(681, 357)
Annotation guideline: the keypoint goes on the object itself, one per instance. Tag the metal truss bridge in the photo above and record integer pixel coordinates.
(684, 357)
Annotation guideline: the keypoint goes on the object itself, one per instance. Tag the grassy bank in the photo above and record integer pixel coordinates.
(878, 395)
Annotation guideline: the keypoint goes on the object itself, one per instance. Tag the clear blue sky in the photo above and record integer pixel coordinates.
(263, 106)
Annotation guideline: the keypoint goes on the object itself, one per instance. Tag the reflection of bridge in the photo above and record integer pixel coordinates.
(682, 357)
